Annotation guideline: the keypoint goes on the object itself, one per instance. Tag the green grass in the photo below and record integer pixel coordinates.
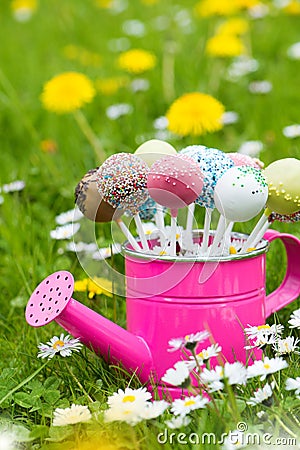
(30, 54)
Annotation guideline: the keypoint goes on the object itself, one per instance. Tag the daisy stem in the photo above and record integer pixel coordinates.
(90, 135)
(79, 384)
(232, 401)
(16, 388)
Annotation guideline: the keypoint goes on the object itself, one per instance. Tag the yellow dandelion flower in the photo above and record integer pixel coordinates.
(136, 61)
(195, 114)
(105, 4)
(109, 86)
(236, 26)
(149, 2)
(225, 46)
(206, 8)
(24, 4)
(95, 286)
(67, 92)
(292, 8)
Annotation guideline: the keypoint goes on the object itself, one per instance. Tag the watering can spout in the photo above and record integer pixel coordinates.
(52, 300)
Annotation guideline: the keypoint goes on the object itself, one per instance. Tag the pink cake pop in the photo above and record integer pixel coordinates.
(240, 159)
(174, 182)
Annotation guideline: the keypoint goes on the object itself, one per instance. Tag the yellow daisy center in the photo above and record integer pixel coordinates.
(263, 327)
(128, 399)
(58, 343)
(189, 402)
(267, 366)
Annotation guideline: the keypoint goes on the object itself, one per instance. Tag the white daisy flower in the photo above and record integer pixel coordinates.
(65, 231)
(293, 384)
(234, 440)
(261, 395)
(258, 11)
(293, 51)
(154, 409)
(160, 123)
(131, 397)
(251, 148)
(260, 87)
(107, 252)
(215, 386)
(286, 346)
(235, 373)
(291, 131)
(205, 354)
(241, 66)
(229, 117)
(261, 414)
(209, 376)
(150, 229)
(261, 331)
(69, 216)
(263, 368)
(113, 112)
(177, 376)
(15, 186)
(64, 345)
(70, 416)
(139, 85)
(79, 247)
(178, 422)
(134, 28)
(295, 319)
(188, 341)
(184, 406)
(131, 414)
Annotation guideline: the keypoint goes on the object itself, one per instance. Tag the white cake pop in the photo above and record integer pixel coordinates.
(241, 193)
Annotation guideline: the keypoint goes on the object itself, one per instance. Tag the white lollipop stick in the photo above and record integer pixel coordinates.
(207, 222)
(227, 238)
(128, 235)
(160, 223)
(256, 231)
(141, 232)
(221, 228)
(259, 235)
(189, 224)
(173, 232)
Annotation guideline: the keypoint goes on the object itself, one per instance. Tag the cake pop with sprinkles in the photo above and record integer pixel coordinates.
(91, 203)
(241, 193)
(283, 178)
(154, 149)
(122, 181)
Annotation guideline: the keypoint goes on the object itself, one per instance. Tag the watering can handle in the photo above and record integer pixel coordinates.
(289, 289)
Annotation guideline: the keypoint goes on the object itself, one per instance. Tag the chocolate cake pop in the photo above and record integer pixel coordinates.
(91, 203)
(154, 149)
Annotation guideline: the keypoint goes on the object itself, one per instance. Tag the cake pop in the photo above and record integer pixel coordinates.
(284, 195)
(122, 180)
(240, 194)
(154, 149)
(213, 163)
(91, 203)
(240, 159)
(174, 182)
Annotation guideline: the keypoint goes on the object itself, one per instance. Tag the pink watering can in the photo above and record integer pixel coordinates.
(167, 299)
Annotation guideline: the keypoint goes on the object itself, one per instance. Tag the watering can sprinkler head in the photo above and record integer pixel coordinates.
(52, 300)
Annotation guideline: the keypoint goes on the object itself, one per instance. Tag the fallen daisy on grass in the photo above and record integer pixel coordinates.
(184, 406)
(65, 231)
(295, 319)
(263, 368)
(261, 395)
(69, 216)
(64, 345)
(70, 416)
